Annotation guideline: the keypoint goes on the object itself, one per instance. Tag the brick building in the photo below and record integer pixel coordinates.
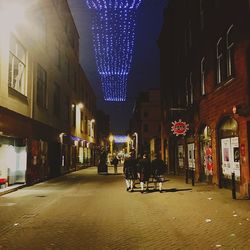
(204, 50)
(47, 106)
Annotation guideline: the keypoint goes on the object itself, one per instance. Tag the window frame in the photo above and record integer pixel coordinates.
(41, 83)
(14, 56)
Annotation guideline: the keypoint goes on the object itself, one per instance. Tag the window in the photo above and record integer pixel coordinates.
(56, 100)
(73, 115)
(41, 27)
(17, 66)
(219, 56)
(41, 87)
(145, 114)
(230, 46)
(145, 128)
(203, 91)
(189, 89)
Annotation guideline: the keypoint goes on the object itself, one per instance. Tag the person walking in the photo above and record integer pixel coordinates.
(144, 172)
(115, 163)
(158, 169)
(130, 172)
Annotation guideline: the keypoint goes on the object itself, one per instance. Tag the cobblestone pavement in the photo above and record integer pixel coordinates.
(83, 210)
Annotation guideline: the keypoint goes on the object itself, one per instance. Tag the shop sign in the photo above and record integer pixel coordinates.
(179, 127)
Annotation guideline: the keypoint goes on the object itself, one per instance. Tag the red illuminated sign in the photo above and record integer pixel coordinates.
(179, 127)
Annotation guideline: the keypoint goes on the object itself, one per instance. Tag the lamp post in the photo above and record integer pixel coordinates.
(136, 144)
(128, 144)
(111, 139)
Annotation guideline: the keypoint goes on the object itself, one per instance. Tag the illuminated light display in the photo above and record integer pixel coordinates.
(113, 30)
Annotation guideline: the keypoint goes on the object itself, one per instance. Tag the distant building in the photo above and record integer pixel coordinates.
(47, 106)
(103, 128)
(145, 122)
(204, 55)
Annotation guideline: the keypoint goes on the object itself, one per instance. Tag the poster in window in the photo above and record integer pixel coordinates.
(208, 160)
(225, 150)
(235, 161)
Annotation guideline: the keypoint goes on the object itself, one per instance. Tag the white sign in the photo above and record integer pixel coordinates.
(191, 156)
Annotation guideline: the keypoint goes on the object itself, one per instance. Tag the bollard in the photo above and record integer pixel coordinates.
(192, 177)
(233, 186)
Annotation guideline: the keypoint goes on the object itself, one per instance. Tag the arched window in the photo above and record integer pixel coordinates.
(203, 91)
(219, 57)
(230, 52)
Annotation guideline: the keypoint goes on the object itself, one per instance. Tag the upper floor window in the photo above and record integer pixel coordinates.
(145, 128)
(203, 91)
(219, 57)
(189, 90)
(230, 47)
(41, 87)
(41, 28)
(17, 66)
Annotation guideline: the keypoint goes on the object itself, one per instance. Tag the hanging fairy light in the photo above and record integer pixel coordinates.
(113, 29)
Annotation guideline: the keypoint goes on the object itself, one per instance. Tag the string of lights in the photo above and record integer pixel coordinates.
(113, 29)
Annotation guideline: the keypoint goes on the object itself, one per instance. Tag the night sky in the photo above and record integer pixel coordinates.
(145, 70)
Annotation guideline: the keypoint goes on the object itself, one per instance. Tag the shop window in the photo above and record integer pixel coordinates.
(230, 153)
(41, 87)
(17, 66)
(206, 154)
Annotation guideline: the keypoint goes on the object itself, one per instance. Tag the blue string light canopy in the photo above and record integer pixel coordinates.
(113, 31)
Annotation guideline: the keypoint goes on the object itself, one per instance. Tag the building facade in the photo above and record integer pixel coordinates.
(204, 51)
(145, 122)
(47, 106)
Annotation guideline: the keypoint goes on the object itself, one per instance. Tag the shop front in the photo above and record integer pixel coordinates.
(229, 152)
(206, 164)
(13, 160)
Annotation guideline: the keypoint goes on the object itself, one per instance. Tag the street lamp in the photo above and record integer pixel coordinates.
(128, 144)
(111, 139)
(136, 144)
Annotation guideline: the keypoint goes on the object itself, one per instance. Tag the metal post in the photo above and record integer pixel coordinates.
(233, 186)
(187, 175)
(193, 176)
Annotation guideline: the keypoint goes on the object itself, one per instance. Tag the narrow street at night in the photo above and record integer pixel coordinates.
(84, 210)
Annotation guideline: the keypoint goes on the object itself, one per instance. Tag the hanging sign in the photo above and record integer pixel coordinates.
(179, 127)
